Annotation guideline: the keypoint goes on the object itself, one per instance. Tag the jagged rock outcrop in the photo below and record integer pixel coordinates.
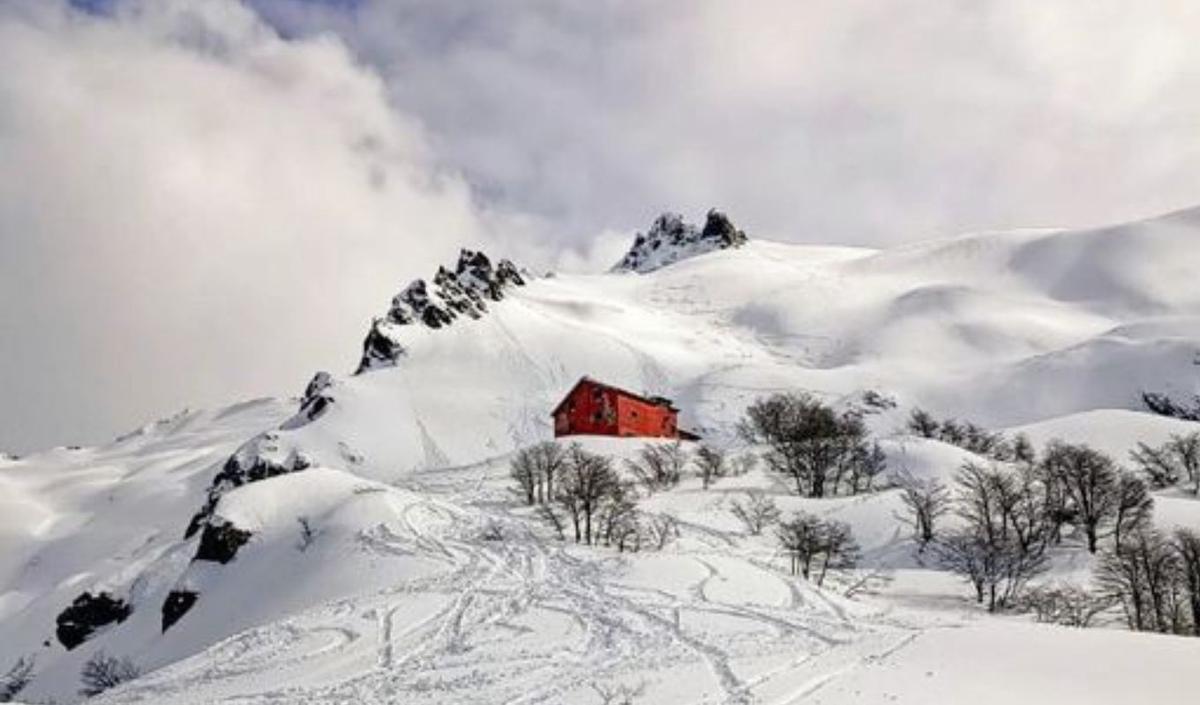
(259, 458)
(87, 614)
(450, 295)
(220, 541)
(176, 605)
(670, 240)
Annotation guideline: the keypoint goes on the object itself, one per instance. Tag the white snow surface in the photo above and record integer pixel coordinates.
(399, 596)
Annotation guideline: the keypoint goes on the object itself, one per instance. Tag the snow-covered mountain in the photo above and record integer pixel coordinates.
(335, 547)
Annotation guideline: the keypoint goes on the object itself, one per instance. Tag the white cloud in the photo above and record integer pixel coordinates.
(193, 210)
(192, 201)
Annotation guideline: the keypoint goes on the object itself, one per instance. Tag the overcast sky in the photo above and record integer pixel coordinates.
(205, 201)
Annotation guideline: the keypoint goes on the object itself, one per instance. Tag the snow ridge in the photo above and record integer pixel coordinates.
(670, 240)
(463, 292)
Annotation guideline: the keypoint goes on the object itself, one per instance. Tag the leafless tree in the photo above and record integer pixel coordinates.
(16, 679)
(553, 519)
(810, 443)
(618, 514)
(815, 546)
(620, 694)
(926, 501)
(923, 424)
(743, 463)
(535, 470)
(995, 567)
(1186, 543)
(1143, 575)
(1067, 605)
(659, 466)
(757, 512)
(587, 481)
(1134, 506)
(662, 529)
(1177, 460)
(711, 464)
(1089, 480)
(102, 672)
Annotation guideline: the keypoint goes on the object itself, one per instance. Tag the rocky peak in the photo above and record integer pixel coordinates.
(671, 239)
(463, 291)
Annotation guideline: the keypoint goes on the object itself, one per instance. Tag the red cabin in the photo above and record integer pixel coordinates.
(598, 409)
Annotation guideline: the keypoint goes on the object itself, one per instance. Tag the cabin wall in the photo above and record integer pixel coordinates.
(601, 411)
(637, 418)
(590, 410)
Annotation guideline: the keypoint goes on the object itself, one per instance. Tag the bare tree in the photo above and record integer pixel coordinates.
(553, 519)
(1186, 543)
(1067, 605)
(16, 679)
(996, 568)
(587, 481)
(535, 470)
(1143, 575)
(710, 462)
(659, 466)
(926, 500)
(1177, 460)
(662, 528)
(815, 546)
(1089, 480)
(810, 443)
(619, 694)
(1134, 506)
(618, 514)
(923, 424)
(757, 512)
(102, 672)
(743, 463)
(524, 471)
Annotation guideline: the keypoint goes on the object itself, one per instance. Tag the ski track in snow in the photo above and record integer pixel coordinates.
(494, 592)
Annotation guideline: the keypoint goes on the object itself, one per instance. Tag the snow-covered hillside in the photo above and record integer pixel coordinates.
(342, 546)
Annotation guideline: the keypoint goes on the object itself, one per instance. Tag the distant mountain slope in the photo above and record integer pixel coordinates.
(402, 465)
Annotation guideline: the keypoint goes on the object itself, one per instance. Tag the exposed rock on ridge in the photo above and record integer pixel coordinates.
(670, 240)
(462, 292)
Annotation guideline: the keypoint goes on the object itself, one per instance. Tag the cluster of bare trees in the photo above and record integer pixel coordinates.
(821, 451)
(1155, 579)
(16, 678)
(816, 546)
(103, 672)
(969, 436)
(1010, 513)
(583, 492)
(1174, 463)
(1164, 405)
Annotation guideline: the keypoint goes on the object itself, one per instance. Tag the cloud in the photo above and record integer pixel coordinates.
(863, 121)
(206, 200)
(194, 210)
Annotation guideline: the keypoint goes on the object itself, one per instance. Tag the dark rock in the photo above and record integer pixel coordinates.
(260, 458)
(463, 292)
(219, 542)
(670, 240)
(719, 229)
(176, 605)
(381, 348)
(87, 614)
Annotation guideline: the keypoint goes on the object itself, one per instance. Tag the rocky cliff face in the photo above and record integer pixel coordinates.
(670, 240)
(465, 291)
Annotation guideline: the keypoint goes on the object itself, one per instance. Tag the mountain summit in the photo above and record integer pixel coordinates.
(670, 240)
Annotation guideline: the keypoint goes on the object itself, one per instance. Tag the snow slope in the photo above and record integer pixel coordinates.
(398, 596)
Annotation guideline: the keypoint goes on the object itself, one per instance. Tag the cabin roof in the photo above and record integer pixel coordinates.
(653, 401)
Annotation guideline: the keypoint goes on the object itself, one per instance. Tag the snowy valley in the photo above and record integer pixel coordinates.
(364, 542)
